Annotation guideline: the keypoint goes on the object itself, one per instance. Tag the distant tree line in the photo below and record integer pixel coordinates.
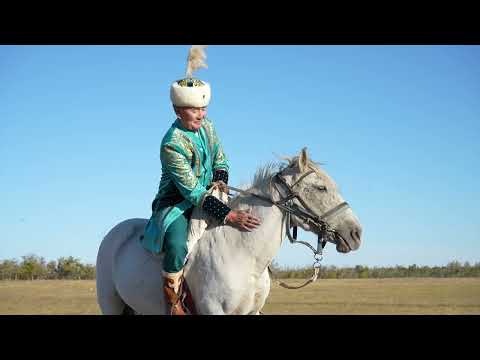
(452, 269)
(33, 267)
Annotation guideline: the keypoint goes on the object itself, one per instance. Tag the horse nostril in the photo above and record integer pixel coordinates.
(357, 234)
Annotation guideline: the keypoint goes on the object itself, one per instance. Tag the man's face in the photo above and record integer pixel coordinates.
(190, 117)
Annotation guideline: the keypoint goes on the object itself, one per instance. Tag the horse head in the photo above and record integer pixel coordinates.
(315, 193)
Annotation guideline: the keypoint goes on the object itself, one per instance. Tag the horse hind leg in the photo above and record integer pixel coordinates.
(112, 304)
(109, 300)
(127, 311)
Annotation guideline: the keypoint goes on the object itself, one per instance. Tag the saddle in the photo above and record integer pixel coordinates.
(200, 220)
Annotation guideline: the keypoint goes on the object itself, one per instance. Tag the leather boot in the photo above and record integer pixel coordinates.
(172, 288)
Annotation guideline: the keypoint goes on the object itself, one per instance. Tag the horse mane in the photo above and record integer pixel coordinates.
(264, 173)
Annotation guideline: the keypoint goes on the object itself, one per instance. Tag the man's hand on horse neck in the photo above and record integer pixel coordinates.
(242, 220)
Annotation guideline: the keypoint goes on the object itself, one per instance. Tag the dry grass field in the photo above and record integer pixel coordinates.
(420, 296)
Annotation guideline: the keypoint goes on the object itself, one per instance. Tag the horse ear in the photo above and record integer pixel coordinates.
(303, 160)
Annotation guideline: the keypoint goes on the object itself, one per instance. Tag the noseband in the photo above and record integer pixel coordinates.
(318, 223)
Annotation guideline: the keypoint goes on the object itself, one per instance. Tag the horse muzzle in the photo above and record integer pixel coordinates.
(348, 238)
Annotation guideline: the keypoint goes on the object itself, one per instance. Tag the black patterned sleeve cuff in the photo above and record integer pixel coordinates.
(221, 175)
(215, 208)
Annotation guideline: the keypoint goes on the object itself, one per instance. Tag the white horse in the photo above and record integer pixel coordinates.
(227, 270)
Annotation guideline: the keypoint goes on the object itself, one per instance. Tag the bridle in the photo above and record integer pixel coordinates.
(321, 227)
(318, 223)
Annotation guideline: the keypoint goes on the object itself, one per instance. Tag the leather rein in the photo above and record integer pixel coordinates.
(318, 223)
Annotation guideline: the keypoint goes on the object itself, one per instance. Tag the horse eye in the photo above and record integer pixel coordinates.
(321, 188)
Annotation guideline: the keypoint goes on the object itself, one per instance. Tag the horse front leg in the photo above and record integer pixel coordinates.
(226, 300)
(261, 292)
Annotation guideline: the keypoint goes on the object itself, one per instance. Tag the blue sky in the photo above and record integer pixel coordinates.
(397, 127)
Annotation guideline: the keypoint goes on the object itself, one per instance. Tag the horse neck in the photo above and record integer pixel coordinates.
(264, 242)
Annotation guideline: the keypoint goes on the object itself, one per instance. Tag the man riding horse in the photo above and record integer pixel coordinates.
(192, 161)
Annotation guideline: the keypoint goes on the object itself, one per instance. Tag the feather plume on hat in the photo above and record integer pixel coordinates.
(190, 92)
(196, 59)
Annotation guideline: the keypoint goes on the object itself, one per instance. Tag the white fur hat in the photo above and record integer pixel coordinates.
(190, 91)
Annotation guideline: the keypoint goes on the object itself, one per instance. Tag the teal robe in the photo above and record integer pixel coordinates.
(189, 160)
